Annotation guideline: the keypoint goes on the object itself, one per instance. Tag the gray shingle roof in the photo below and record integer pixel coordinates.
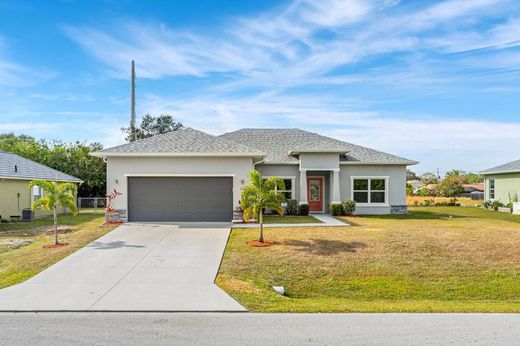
(510, 167)
(27, 169)
(185, 140)
(277, 143)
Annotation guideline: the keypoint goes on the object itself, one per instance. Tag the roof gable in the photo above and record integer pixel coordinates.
(183, 141)
(27, 169)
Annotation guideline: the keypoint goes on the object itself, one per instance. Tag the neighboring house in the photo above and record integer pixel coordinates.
(502, 183)
(416, 185)
(189, 175)
(473, 191)
(15, 174)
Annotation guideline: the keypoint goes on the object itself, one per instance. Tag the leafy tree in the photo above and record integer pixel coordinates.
(151, 126)
(451, 186)
(63, 194)
(260, 194)
(410, 175)
(429, 178)
(473, 178)
(71, 158)
(409, 189)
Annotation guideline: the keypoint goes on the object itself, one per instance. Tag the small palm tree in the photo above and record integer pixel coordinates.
(259, 194)
(56, 195)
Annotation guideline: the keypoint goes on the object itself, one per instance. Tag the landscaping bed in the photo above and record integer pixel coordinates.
(21, 244)
(439, 259)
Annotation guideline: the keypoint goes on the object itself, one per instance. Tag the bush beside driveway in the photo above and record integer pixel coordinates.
(441, 259)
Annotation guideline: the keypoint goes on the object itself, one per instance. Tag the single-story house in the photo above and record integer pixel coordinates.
(189, 175)
(15, 174)
(502, 183)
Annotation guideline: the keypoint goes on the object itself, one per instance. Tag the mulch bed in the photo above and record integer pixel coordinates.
(256, 243)
(54, 246)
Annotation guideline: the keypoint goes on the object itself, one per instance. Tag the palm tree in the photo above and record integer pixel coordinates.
(259, 194)
(56, 195)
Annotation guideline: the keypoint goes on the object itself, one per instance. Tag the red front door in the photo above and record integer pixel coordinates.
(315, 193)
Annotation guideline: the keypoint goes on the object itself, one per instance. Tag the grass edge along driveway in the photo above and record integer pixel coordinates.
(439, 259)
(18, 265)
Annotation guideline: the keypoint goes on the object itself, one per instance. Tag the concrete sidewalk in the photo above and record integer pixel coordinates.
(326, 221)
(136, 267)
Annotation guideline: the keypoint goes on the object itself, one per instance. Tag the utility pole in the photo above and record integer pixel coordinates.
(438, 174)
(132, 105)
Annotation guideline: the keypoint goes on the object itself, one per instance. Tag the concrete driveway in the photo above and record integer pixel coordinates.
(136, 267)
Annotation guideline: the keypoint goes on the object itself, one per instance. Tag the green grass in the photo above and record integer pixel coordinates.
(290, 219)
(440, 259)
(17, 265)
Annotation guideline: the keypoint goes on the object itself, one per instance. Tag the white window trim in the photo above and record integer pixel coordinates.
(33, 194)
(492, 188)
(387, 187)
(293, 179)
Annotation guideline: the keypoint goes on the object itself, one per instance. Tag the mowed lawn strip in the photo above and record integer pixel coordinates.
(439, 259)
(17, 265)
(290, 219)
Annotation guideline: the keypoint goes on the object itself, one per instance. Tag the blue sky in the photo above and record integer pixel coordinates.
(435, 81)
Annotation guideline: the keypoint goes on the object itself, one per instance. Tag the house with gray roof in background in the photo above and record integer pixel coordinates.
(15, 174)
(189, 175)
(502, 183)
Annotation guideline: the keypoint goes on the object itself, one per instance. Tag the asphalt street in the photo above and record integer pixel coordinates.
(69, 328)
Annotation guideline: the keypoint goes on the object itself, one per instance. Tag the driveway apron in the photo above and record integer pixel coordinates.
(136, 267)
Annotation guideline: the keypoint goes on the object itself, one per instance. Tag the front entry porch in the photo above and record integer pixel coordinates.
(319, 189)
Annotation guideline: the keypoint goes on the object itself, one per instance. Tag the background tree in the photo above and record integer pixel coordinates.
(56, 195)
(451, 186)
(410, 175)
(429, 178)
(473, 178)
(151, 126)
(260, 194)
(71, 158)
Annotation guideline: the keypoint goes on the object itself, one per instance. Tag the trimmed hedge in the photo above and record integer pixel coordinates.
(303, 209)
(349, 207)
(336, 209)
(292, 207)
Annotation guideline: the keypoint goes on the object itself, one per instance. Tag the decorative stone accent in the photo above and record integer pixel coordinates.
(238, 215)
(398, 209)
(117, 216)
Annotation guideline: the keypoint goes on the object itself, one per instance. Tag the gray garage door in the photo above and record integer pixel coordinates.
(180, 199)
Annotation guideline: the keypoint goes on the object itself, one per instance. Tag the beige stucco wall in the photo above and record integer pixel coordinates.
(506, 186)
(118, 168)
(11, 205)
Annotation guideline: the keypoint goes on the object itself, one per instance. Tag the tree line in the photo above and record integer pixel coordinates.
(75, 159)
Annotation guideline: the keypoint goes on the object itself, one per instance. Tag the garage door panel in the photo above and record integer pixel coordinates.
(180, 198)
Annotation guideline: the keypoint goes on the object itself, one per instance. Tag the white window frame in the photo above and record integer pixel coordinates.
(34, 194)
(293, 180)
(369, 178)
(492, 187)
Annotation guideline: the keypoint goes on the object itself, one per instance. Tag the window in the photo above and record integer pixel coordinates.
(289, 187)
(369, 190)
(491, 188)
(36, 192)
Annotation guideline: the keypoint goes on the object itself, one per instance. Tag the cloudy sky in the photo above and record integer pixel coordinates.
(434, 81)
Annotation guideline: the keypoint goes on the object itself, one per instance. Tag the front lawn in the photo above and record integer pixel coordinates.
(17, 265)
(290, 219)
(441, 259)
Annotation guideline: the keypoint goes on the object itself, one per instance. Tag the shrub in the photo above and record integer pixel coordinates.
(428, 202)
(497, 204)
(292, 207)
(488, 204)
(336, 209)
(349, 207)
(303, 209)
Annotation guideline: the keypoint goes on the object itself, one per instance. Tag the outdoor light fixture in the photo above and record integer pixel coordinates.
(117, 181)
(279, 289)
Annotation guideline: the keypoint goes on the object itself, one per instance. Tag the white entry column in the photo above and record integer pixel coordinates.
(336, 197)
(303, 186)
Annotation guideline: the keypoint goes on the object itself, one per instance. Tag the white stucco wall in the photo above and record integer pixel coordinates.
(118, 168)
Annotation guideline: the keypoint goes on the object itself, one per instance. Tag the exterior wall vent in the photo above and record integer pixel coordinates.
(15, 168)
